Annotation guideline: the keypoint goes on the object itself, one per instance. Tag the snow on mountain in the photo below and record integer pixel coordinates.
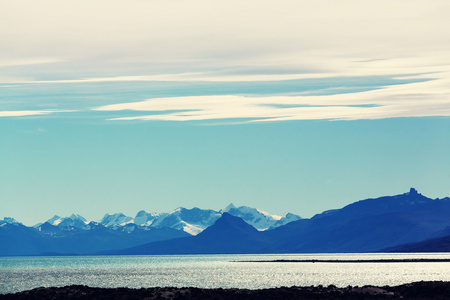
(286, 219)
(195, 220)
(117, 219)
(259, 219)
(55, 220)
(74, 220)
(144, 218)
(192, 221)
(7, 220)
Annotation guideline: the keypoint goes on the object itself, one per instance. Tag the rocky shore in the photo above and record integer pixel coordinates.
(418, 290)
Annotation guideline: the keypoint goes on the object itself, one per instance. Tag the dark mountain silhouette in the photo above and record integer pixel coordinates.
(366, 225)
(441, 244)
(17, 239)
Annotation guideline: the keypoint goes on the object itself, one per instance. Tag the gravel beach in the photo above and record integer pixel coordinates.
(417, 290)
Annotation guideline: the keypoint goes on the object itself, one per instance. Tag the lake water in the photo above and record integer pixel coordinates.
(214, 271)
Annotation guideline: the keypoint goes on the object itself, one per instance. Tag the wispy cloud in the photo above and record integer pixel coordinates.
(27, 61)
(430, 98)
(323, 68)
(201, 41)
(25, 113)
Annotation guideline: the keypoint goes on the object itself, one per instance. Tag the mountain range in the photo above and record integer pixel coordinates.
(192, 221)
(76, 235)
(380, 224)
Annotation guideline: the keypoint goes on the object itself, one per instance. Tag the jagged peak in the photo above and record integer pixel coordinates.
(413, 192)
(10, 220)
(187, 219)
(117, 219)
(77, 216)
(230, 206)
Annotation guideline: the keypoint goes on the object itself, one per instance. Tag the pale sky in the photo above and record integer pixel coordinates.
(288, 106)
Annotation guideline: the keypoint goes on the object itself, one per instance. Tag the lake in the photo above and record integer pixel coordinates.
(214, 271)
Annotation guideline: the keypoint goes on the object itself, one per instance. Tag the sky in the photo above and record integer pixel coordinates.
(288, 106)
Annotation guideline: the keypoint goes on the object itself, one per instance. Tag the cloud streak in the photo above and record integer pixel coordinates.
(430, 98)
(323, 68)
(26, 113)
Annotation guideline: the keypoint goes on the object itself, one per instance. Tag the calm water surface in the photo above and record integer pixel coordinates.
(213, 271)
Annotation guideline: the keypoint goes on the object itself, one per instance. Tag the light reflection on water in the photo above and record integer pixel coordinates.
(213, 271)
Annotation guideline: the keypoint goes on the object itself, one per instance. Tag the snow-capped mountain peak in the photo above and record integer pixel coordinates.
(75, 220)
(192, 221)
(275, 217)
(144, 218)
(55, 220)
(10, 220)
(78, 217)
(7, 220)
(117, 219)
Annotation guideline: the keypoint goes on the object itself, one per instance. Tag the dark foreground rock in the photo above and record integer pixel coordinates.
(417, 290)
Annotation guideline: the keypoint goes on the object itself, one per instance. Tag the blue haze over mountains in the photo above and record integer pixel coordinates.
(369, 225)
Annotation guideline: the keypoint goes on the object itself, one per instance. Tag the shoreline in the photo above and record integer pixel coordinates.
(412, 260)
(415, 290)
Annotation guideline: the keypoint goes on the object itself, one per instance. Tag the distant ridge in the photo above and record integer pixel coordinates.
(369, 225)
(364, 226)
